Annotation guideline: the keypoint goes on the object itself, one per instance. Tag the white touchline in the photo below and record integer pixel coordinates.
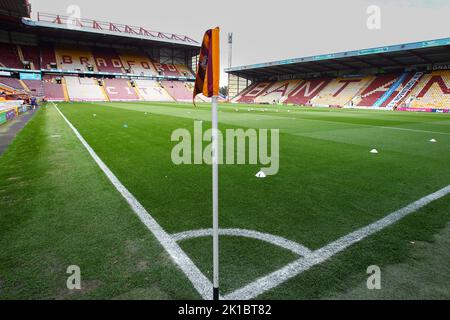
(276, 278)
(200, 282)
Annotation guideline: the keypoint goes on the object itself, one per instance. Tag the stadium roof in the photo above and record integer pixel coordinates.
(94, 30)
(405, 55)
(15, 8)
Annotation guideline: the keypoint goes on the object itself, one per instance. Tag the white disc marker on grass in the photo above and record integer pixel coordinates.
(374, 151)
(433, 140)
(261, 175)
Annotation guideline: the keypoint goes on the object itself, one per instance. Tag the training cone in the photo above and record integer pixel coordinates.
(433, 141)
(261, 174)
(374, 151)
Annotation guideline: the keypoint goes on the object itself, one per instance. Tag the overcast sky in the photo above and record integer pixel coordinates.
(266, 30)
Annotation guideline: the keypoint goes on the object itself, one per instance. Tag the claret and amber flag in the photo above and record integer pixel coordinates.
(208, 69)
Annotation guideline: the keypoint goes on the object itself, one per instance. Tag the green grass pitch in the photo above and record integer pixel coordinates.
(58, 209)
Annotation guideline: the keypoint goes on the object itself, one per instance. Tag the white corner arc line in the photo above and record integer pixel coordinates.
(276, 278)
(265, 237)
(197, 278)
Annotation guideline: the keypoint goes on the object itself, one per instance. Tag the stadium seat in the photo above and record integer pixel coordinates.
(178, 90)
(107, 60)
(432, 91)
(379, 86)
(9, 56)
(84, 89)
(32, 55)
(69, 58)
(137, 63)
(167, 69)
(35, 87)
(306, 90)
(151, 90)
(255, 90)
(184, 70)
(12, 83)
(120, 90)
(341, 91)
(277, 91)
(52, 90)
(48, 55)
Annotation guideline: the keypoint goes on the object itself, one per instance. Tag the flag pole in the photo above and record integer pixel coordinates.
(215, 187)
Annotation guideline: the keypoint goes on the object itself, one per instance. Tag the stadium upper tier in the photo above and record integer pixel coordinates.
(85, 59)
(415, 90)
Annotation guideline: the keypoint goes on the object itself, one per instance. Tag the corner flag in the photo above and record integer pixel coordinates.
(207, 82)
(208, 70)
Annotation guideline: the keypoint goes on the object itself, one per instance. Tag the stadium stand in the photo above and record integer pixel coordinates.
(120, 90)
(253, 92)
(277, 91)
(406, 77)
(178, 90)
(12, 83)
(167, 69)
(48, 55)
(151, 90)
(379, 86)
(35, 87)
(404, 93)
(65, 56)
(432, 91)
(341, 91)
(384, 89)
(107, 60)
(9, 56)
(200, 97)
(84, 89)
(30, 54)
(137, 63)
(306, 91)
(74, 59)
(53, 91)
(184, 70)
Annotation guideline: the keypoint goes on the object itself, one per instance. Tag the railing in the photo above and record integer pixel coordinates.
(75, 23)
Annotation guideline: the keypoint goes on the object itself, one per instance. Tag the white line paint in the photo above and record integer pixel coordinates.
(412, 130)
(200, 282)
(275, 240)
(321, 255)
(374, 126)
